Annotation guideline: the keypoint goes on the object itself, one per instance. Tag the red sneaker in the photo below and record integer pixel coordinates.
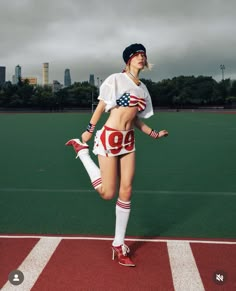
(122, 254)
(77, 145)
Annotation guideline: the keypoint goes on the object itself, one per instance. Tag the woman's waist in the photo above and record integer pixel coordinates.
(121, 121)
(108, 128)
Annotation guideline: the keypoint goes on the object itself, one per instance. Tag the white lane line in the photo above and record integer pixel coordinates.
(183, 267)
(157, 240)
(162, 192)
(34, 263)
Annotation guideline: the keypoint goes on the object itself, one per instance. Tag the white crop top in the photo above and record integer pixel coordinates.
(117, 85)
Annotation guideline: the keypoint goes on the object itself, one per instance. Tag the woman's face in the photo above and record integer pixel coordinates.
(138, 61)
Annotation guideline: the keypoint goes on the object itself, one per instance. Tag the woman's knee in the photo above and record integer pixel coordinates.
(125, 193)
(107, 194)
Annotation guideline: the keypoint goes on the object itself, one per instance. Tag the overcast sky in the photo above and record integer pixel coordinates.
(182, 37)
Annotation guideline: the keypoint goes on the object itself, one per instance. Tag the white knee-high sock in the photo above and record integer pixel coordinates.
(91, 168)
(122, 218)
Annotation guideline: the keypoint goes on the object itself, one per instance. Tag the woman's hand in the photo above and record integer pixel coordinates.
(86, 136)
(163, 133)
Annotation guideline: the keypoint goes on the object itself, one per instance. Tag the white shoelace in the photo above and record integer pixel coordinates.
(125, 249)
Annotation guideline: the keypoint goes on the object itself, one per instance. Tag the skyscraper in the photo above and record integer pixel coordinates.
(67, 78)
(91, 80)
(2, 75)
(17, 74)
(45, 73)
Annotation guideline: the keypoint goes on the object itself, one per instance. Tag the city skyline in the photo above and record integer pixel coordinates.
(181, 37)
(45, 76)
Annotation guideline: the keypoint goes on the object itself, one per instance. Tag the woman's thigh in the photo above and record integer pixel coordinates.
(109, 172)
(126, 172)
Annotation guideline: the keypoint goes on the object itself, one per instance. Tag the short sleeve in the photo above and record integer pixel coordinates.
(108, 93)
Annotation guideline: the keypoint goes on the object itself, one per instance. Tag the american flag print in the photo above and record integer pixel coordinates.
(129, 100)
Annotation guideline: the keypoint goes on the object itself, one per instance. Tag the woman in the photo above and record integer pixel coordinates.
(127, 99)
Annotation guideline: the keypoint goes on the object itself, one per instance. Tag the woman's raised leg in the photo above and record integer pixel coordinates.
(103, 179)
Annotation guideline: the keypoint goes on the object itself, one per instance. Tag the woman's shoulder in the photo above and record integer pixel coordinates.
(114, 77)
(144, 88)
(143, 85)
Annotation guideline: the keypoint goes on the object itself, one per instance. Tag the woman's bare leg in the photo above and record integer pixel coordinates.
(109, 172)
(127, 171)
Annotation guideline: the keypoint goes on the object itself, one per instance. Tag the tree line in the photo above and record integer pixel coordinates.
(178, 92)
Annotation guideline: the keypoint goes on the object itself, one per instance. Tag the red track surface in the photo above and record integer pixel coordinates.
(79, 264)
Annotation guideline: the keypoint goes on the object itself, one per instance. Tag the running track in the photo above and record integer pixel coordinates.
(84, 263)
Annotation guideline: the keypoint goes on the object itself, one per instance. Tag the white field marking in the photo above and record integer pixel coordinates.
(184, 270)
(164, 192)
(157, 240)
(34, 263)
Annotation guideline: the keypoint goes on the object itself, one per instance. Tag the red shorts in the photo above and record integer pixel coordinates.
(111, 142)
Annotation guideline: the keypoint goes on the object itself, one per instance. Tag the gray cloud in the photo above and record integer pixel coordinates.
(181, 36)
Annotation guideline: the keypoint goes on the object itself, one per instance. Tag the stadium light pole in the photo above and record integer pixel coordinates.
(222, 67)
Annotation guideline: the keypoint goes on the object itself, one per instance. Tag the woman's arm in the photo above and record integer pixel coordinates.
(98, 112)
(93, 121)
(142, 126)
(148, 130)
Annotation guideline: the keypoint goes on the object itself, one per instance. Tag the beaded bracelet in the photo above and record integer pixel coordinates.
(154, 134)
(90, 128)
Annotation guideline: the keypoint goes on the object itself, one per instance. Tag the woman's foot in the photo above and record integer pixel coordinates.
(121, 252)
(78, 146)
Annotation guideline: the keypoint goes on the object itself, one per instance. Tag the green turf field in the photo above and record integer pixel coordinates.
(185, 185)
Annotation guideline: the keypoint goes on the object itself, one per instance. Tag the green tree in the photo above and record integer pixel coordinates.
(233, 88)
